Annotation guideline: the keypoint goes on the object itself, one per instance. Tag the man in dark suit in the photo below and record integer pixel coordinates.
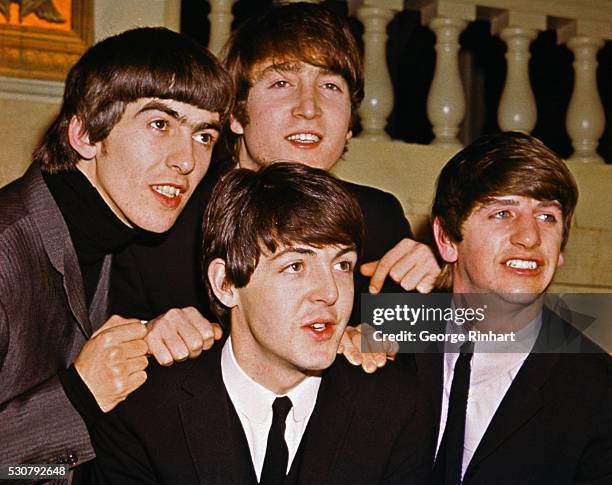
(299, 82)
(279, 249)
(140, 115)
(535, 414)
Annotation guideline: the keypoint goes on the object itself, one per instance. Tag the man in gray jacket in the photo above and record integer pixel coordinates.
(140, 116)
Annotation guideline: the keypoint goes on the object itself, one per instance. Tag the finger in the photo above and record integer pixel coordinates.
(390, 349)
(157, 348)
(124, 332)
(176, 346)
(114, 321)
(350, 351)
(218, 331)
(384, 267)
(134, 348)
(427, 283)
(367, 269)
(369, 363)
(192, 338)
(136, 364)
(135, 380)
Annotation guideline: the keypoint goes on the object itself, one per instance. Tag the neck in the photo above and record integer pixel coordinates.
(265, 368)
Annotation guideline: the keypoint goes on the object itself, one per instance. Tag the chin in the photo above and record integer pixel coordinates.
(159, 225)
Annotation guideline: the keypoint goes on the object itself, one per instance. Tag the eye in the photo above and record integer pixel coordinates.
(295, 267)
(332, 86)
(205, 139)
(280, 84)
(547, 217)
(160, 124)
(344, 266)
(502, 214)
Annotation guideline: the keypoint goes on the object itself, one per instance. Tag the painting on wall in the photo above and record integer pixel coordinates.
(42, 39)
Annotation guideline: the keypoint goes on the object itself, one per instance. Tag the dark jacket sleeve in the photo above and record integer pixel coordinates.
(120, 457)
(39, 425)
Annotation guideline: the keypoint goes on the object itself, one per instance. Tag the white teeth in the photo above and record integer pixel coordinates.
(318, 326)
(304, 138)
(521, 264)
(167, 190)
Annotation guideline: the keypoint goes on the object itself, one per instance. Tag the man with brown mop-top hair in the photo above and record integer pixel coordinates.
(298, 77)
(536, 411)
(141, 113)
(272, 404)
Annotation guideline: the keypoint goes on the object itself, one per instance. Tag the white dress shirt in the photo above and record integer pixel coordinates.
(253, 403)
(493, 368)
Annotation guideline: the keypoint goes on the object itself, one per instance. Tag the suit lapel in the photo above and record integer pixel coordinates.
(328, 427)
(57, 243)
(213, 431)
(522, 401)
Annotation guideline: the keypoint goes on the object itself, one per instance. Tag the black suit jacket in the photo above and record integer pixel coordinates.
(553, 426)
(159, 272)
(181, 427)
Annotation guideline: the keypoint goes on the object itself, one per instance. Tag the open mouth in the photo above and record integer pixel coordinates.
(305, 138)
(522, 264)
(169, 191)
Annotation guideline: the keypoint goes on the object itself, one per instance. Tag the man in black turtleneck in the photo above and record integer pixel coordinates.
(140, 116)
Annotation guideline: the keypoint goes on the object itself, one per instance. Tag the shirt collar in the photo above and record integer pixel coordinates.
(254, 400)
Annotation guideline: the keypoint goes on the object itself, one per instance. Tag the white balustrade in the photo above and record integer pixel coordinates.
(446, 99)
(220, 18)
(517, 107)
(378, 101)
(585, 116)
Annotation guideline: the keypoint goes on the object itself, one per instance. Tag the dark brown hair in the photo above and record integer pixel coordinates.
(296, 32)
(139, 63)
(509, 163)
(282, 204)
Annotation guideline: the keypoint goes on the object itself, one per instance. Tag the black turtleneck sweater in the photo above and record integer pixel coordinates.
(95, 232)
(94, 229)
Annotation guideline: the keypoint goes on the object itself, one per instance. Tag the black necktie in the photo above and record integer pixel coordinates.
(447, 469)
(277, 455)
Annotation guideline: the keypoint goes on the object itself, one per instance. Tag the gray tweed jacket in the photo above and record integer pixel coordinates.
(44, 323)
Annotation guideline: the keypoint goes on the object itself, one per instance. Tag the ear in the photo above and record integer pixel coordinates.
(236, 126)
(446, 246)
(349, 135)
(79, 139)
(561, 259)
(224, 291)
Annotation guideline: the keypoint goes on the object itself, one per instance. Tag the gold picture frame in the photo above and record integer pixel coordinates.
(42, 39)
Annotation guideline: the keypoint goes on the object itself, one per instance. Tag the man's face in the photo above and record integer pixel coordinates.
(152, 160)
(297, 112)
(511, 244)
(289, 319)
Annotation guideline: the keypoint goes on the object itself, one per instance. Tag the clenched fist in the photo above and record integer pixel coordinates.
(113, 360)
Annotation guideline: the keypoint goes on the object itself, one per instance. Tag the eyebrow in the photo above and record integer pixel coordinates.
(164, 108)
(310, 252)
(512, 202)
(290, 66)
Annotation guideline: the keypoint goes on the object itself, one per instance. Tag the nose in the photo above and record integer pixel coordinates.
(526, 232)
(307, 104)
(182, 157)
(324, 287)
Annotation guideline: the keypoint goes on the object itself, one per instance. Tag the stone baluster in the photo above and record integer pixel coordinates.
(220, 18)
(585, 116)
(446, 99)
(517, 107)
(378, 101)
